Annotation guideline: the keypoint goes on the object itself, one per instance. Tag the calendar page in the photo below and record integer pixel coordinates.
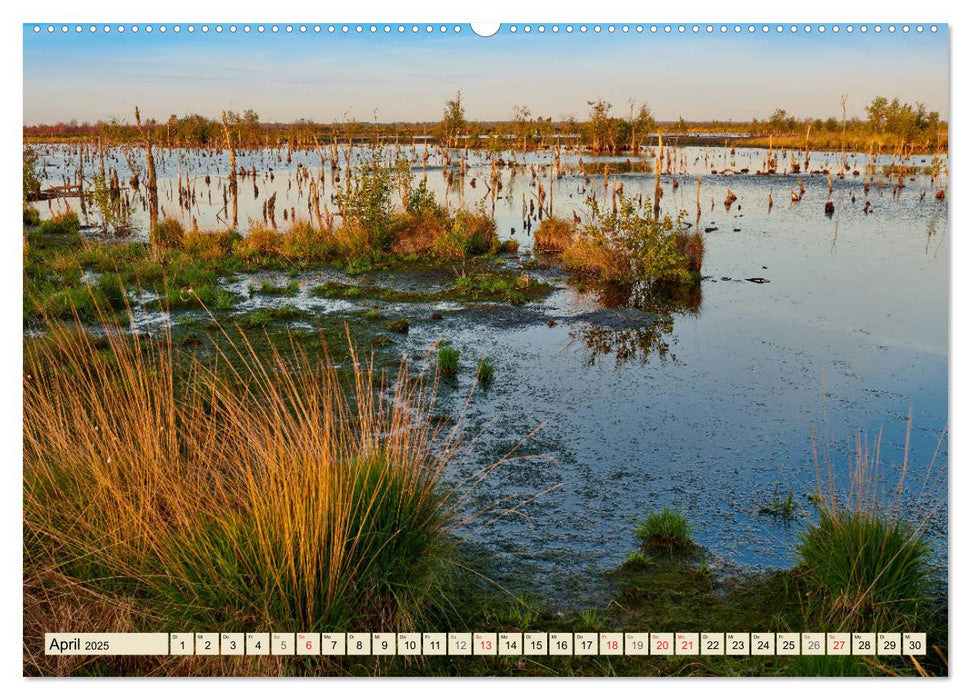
(519, 349)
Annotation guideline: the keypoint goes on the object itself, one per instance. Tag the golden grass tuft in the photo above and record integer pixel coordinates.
(261, 242)
(554, 235)
(208, 245)
(304, 242)
(247, 492)
(591, 257)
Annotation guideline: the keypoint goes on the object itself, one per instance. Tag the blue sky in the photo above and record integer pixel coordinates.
(408, 77)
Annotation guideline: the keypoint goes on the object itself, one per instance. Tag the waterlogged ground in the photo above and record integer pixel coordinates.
(707, 411)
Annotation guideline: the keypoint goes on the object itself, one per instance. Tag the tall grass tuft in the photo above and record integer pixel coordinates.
(448, 360)
(245, 492)
(867, 560)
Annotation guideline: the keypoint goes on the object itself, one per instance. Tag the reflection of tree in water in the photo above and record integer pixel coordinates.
(638, 338)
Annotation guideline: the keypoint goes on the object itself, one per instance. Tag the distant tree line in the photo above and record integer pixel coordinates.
(603, 131)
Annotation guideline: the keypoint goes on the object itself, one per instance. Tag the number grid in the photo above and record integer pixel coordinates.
(488, 644)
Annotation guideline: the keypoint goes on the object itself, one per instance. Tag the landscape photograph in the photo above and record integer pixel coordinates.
(573, 329)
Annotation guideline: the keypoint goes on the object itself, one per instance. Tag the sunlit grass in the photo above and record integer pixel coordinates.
(251, 491)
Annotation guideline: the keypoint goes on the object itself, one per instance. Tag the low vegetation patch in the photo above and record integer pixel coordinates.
(780, 507)
(399, 325)
(871, 569)
(66, 223)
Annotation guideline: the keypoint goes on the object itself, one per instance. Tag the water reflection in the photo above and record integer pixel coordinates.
(637, 323)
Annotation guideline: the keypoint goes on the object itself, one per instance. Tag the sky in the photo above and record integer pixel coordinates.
(407, 77)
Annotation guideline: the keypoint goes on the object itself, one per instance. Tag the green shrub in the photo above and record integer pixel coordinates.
(331, 523)
(666, 532)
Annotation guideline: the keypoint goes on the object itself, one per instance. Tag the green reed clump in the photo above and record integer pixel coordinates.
(629, 246)
(485, 373)
(448, 360)
(31, 215)
(667, 531)
(870, 567)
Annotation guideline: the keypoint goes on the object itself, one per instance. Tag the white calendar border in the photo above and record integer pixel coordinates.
(440, 10)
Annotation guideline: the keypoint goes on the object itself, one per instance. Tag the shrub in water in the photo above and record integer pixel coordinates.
(629, 246)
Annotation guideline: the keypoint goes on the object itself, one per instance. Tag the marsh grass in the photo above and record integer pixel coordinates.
(448, 360)
(485, 373)
(667, 532)
(251, 491)
(66, 223)
(629, 246)
(782, 507)
(868, 554)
